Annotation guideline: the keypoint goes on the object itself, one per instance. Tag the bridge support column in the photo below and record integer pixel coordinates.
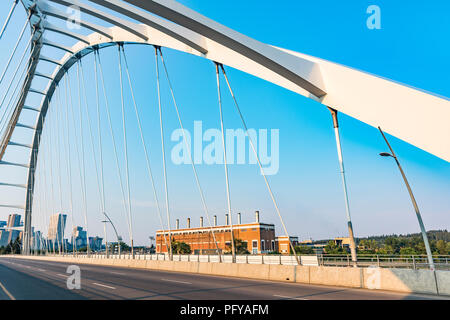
(344, 184)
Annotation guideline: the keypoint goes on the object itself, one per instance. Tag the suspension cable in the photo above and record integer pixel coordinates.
(69, 165)
(102, 180)
(17, 68)
(163, 154)
(259, 162)
(57, 105)
(147, 158)
(126, 151)
(225, 162)
(51, 148)
(83, 165)
(8, 18)
(15, 48)
(112, 136)
(91, 139)
(197, 180)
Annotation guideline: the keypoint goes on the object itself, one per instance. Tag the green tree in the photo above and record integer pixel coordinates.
(240, 247)
(333, 248)
(180, 247)
(441, 247)
(302, 249)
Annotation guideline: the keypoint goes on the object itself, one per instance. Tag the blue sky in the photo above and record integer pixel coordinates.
(410, 48)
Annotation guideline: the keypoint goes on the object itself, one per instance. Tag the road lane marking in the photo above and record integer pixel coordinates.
(276, 295)
(43, 270)
(176, 281)
(7, 292)
(119, 273)
(103, 285)
(62, 275)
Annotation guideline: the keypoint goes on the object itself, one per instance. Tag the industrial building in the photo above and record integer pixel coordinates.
(259, 237)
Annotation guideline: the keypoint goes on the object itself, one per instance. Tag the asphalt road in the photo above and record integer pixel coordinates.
(45, 280)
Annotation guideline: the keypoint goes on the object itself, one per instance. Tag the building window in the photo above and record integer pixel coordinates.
(262, 245)
(254, 246)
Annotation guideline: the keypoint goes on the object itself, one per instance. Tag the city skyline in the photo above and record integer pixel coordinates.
(308, 171)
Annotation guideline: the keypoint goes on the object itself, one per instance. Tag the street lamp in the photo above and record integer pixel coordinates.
(115, 231)
(416, 208)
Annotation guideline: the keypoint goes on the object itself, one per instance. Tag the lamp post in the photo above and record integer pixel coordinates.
(115, 231)
(416, 208)
(152, 238)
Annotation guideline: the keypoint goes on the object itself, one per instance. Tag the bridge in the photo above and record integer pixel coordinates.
(59, 97)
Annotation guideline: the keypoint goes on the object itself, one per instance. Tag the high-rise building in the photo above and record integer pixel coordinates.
(56, 228)
(13, 220)
(79, 237)
(4, 237)
(2, 224)
(95, 243)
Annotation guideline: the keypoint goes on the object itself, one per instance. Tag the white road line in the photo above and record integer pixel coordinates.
(276, 295)
(176, 281)
(7, 292)
(62, 275)
(103, 285)
(119, 273)
(43, 270)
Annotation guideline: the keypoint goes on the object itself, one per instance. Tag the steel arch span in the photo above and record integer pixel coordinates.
(412, 115)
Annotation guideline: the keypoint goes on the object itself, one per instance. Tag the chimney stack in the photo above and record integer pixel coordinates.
(257, 216)
(201, 222)
(215, 221)
(226, 220)
(178, 224)
(188, 223)
(239, 218)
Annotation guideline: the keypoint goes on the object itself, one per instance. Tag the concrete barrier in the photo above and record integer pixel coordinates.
(400, 280)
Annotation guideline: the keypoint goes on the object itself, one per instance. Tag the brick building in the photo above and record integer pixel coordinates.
(259, 237)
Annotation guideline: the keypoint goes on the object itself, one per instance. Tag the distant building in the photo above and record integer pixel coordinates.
(95, 243)
(342, 242)
(2, 224)
(79, 237)
(4, 238)
(283, 245)
(259, 237)
(13, 235)
(56, 228)
(13, 220)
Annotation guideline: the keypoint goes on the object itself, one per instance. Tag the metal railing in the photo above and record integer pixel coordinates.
(442, 262)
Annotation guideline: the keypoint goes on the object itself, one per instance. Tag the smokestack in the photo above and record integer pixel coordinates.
(215, 221)
(188, 223)
(257, 216)
(239, 217)
(226, 220)
(201, 221)
(178, 224)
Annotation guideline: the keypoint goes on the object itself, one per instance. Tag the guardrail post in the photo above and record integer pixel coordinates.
(280, 258)
(378, 261)
(348, 262)
(262, 259)
(208, 258)
(414, 262)
(246, 258)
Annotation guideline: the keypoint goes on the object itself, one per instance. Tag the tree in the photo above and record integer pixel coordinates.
(441, 247)
(123, 247)
(179, 247)
(240, 247)
(333, 248)
(302, 249)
